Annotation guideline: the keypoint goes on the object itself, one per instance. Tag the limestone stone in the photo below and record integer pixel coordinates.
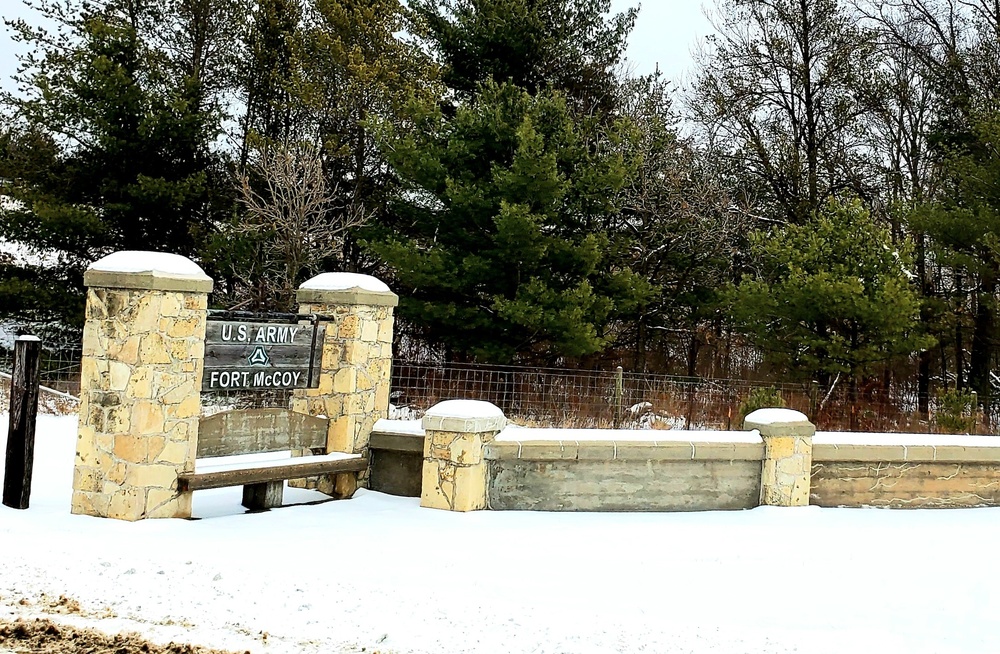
(369, 332)
(152, 475)
(119, 375)
(127, 504)
(131, 448)
(177, 453)
(153, 349)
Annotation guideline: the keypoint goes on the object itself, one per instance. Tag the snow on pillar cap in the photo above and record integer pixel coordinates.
(346, 288)
(465, 416)
(159, 271)
(779, 422)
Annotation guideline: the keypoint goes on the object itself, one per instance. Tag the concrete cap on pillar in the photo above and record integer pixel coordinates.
(465, 416)
(783, 422)
(346, 288)
(156, 271)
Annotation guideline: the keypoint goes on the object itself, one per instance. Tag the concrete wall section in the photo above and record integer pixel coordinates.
(623, 475)
(905, 470)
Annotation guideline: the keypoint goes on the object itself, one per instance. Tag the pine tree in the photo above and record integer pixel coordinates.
(573, 46)
(830, 298)
(128, 123)
(503, 255)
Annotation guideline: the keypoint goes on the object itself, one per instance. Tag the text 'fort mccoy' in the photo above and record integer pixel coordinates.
(252, 379)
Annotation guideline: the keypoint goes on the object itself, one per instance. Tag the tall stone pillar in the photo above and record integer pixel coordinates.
(356, 365)
(787, 465)
(140, 385)
(455, 474)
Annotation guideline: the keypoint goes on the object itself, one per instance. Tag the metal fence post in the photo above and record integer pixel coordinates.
(619, 392)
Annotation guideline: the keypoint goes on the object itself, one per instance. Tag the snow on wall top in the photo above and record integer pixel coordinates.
(905, 440)
(771, 416)
(516, 433)
(343, 281)
(136, 261)
(464, 409)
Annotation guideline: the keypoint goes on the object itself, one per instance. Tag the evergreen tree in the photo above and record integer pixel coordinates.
(502, 253)
(569, 45)
(126, 111)
(830, 297)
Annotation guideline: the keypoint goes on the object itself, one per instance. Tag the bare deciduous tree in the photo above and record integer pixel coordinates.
(294, 213)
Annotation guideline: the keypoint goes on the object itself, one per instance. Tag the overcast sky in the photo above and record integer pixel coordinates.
(665, 34)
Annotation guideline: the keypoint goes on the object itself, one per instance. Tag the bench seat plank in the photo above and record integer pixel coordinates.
(233, 474)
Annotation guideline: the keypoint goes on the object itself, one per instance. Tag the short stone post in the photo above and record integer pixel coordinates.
(455, 475)
(356, 366)
(140, 385)
(787, 465)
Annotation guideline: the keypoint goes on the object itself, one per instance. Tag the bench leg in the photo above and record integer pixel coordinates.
(267, 495)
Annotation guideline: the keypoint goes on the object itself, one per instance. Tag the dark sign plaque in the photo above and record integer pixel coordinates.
(247, 355)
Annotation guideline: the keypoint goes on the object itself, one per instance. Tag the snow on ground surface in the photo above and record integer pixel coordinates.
(380, 574)
(343, 281)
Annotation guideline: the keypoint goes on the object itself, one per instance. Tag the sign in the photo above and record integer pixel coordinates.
(244, 355)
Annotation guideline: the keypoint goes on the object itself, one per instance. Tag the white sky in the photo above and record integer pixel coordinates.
(665, 34)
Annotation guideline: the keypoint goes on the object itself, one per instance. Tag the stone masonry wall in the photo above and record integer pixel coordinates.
(354, 383)
(143, 355)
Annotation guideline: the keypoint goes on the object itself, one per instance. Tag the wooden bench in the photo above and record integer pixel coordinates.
(257, 431)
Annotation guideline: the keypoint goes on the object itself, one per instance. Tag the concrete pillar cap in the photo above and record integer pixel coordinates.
(779, 422)
(467, 416)
(156, 271)
(345, 288)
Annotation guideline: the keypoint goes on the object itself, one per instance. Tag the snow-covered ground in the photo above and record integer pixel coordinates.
(380, 574)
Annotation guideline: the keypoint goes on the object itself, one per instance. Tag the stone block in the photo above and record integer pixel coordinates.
(190, 407)
(385, 330)
(452, 488)
(147, 417)
(131, 448)
(86, 479)
(153, 350)
(127, 504)
(460, 449)
(119, 374)
(152, 476)
(369, 332)
(349, 327)
(139, 384)
(345, 380)
(176, 453)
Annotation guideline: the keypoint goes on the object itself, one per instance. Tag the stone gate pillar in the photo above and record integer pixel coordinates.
(787, 467)
(140, 385)
(354, 379)
(455, 475)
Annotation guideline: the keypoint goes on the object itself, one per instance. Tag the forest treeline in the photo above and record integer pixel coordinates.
(824, 191)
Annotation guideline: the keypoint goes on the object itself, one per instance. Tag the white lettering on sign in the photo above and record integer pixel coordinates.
(244, 379)
(268, 334)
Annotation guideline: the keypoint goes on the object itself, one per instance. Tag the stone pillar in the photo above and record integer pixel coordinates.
(787, 464)
(355, 372)
(140, 385)
(455, 474)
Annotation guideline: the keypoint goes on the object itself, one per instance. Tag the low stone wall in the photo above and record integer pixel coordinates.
(611, 471)
(905, 470)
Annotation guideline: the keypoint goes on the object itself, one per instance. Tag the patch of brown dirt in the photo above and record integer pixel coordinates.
(46, 637)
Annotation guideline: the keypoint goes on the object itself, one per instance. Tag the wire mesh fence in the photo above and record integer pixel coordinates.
(554, 397)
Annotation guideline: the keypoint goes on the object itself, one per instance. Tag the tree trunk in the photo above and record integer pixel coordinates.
(980, 365)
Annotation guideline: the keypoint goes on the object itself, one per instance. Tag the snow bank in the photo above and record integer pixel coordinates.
(464, 409)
